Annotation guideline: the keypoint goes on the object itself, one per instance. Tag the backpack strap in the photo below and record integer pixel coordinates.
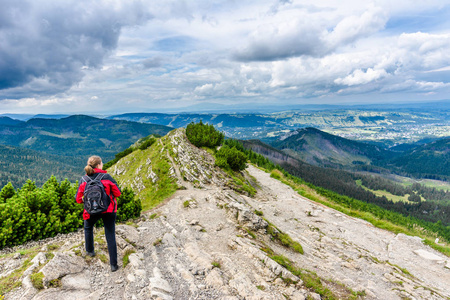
(85, 178)
(99, 175)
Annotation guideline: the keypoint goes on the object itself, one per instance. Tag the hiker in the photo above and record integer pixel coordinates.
(98, 191)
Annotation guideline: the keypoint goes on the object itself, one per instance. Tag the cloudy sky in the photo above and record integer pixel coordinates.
(112, 56)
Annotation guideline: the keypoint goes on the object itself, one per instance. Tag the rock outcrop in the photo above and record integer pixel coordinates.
(222, 245)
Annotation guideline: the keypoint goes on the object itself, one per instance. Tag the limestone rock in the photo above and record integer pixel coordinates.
(61, 265)
(428, 255)
(128, 233)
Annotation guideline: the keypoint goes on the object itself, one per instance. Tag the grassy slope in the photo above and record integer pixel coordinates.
(133, 171)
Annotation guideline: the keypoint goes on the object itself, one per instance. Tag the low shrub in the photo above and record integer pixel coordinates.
(128, 206)
(231, 158)
(204, 135)
(33, 213)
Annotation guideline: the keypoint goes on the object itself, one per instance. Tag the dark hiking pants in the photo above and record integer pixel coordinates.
(109, 220)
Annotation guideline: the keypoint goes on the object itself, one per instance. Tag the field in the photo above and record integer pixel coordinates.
(438, 184)
(388, 195)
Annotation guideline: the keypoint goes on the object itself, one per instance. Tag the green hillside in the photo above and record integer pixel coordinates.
(428, 161)
(19, 164)
(322, 149)
(77, 135)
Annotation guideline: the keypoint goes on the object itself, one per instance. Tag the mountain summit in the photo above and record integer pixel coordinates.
(205, 240)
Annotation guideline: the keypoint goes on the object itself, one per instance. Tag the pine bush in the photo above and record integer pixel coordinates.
(32, 213)
(204, 135)
(232, 158)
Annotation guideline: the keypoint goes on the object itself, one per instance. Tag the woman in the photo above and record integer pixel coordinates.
(93, 169)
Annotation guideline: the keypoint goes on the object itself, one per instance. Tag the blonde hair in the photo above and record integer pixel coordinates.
(92, 163)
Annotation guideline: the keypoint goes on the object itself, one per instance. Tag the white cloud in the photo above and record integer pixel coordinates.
(228, 51)
(353, 27)
(361, 77)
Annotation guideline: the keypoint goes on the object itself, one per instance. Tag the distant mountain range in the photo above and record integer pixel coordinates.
(80, 136)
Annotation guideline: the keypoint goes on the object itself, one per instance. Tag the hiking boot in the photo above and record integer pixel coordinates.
(114, 268)
(91, 254)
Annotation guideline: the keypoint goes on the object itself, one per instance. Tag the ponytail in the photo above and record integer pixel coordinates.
(92, 162)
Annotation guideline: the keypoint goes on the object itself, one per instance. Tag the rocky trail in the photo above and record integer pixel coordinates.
(209, 242)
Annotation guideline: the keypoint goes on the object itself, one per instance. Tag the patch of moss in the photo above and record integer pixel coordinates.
(49, 255)
(102, 258)
(259, 213)
(52, 247)
(130, 242)
(37, 279)
(126, 257)
(216, 264)
(55, 283)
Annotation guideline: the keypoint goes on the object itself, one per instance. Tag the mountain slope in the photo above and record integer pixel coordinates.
(322, 149)
(8, 121)
(77, 135)
(209, 242)
(429, 160)
(19, 164)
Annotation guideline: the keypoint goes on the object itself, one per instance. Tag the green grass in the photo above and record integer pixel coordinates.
(126, 257)
(186, 203)
(153, 216)
(259, 213)
(283, 238)
(37, 279)
(55, 283)
(129, 223)
(310, 279)
(389, 196)
(49, 255)
(153, 193)
(102, 258)
(216, 264)
(13, 281)
(251, 233)
(440, 185)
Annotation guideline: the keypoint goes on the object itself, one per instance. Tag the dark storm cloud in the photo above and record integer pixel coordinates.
(273, 45)
(45, 44)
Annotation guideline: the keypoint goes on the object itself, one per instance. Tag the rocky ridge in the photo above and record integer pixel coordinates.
(209, 242)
